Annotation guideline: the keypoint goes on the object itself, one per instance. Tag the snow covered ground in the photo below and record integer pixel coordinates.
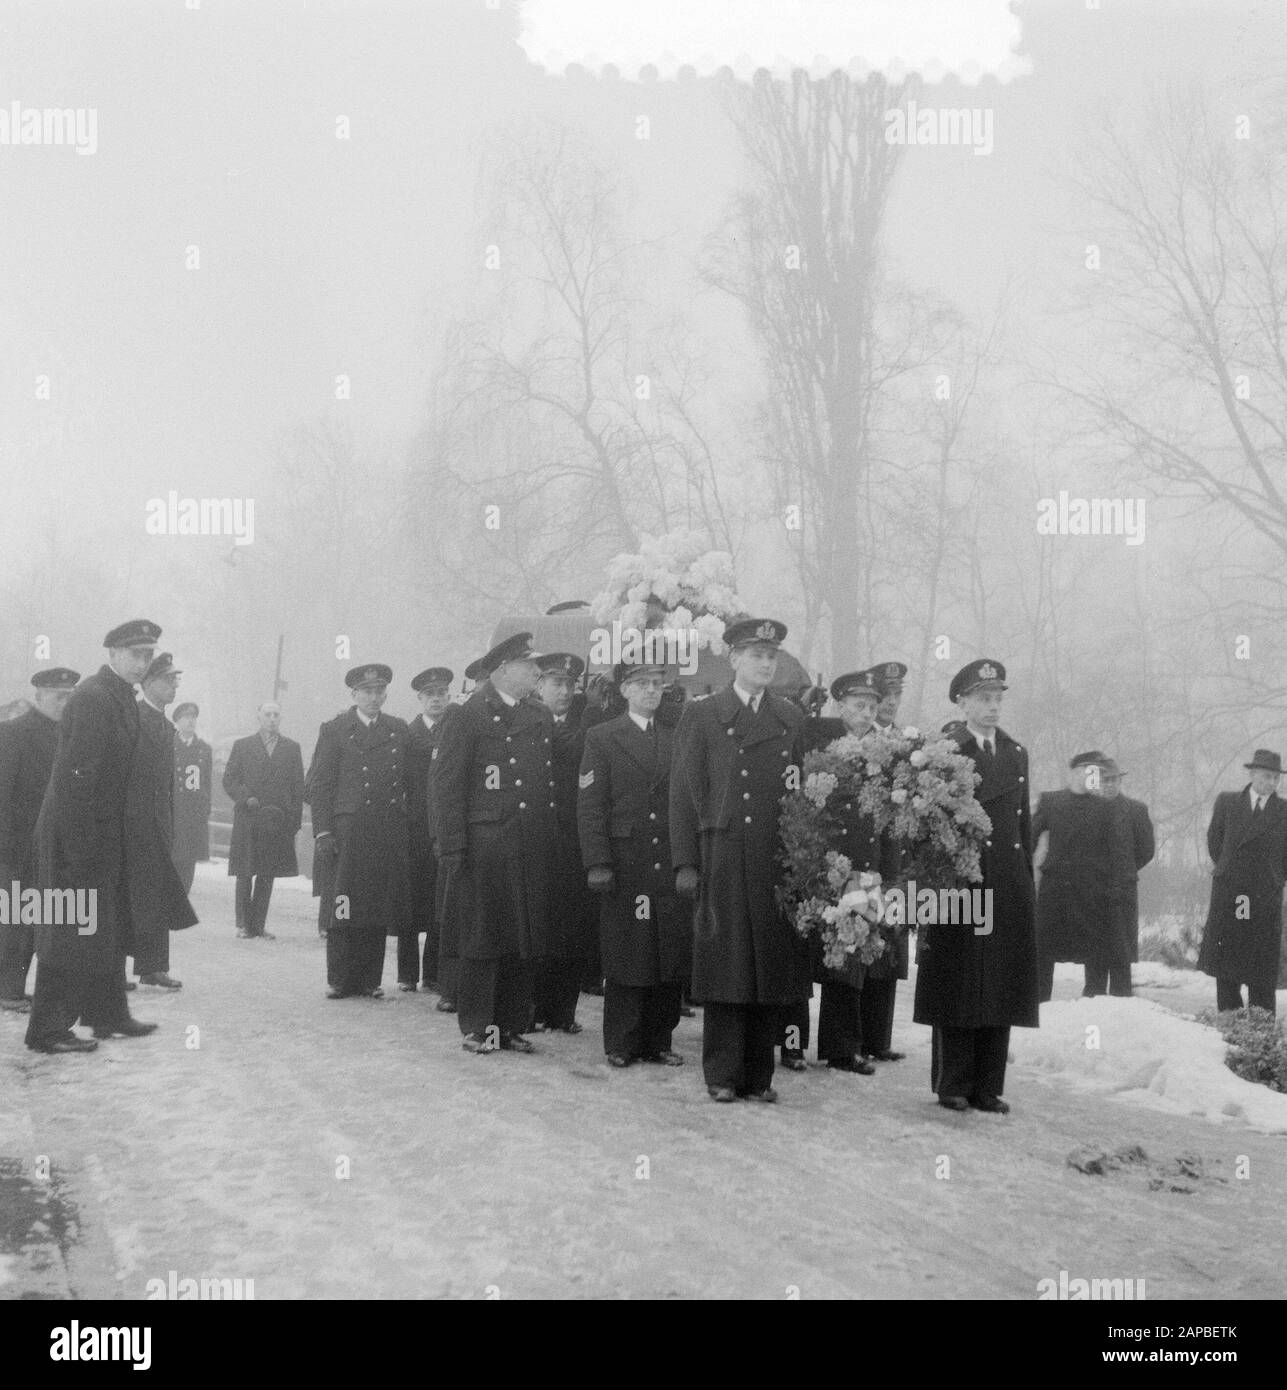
(352, 1149)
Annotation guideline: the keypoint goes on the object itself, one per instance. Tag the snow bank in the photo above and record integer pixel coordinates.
(1141, 1052)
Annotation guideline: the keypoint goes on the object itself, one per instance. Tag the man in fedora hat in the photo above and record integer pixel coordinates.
(1133, 848)
(265, 779)
(735, 755)
(496, 821)
(973, 986)
(359, 802)
(27, 748)
(158, 902)
(193, 767)
(81, 844)
(1247, 840)
(432, 687)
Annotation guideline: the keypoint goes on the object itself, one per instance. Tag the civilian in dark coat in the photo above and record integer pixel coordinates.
(496, 826)
(360, 786)
(1247, 839)
(158, 904)
(27, 748)
(193, 770)
(572, 943)
(645, 931)
(433, 689)
(1133, 848)
(970, 987)
(733, 753)
(81, 844)
(1074, 833)
(265, 779)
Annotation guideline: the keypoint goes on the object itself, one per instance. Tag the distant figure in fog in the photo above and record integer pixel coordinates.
(193, 768)
(265, 779)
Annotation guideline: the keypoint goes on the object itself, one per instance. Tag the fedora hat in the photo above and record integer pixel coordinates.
(1267, 761)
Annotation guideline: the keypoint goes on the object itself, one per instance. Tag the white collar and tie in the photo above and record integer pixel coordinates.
(641, 719)
(509, 699)
(1258, 800)
(368, 720)
(750, 699)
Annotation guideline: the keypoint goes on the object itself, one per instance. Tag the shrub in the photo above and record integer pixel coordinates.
(1257, 1045)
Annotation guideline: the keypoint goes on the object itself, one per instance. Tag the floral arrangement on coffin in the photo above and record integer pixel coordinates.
(920, 789)
(675, 577)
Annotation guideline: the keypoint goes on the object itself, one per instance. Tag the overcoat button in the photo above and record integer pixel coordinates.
(522, 805)
(652, 815)
(495, 718)
(746, 796)
(518, 781)
(551, 805)
(513, 761)
(745, 773)
(1017, 845)
(988, 843)
(656, 866)
(748, 820)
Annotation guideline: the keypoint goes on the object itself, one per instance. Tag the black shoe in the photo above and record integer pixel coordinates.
(265, 936)
(768, 1096)
(129, 985)
(243, 934)
(665, 1059)
(69, 1042)
(407, 988)
(993, 1104)
(686, 1012)
(573, 1028)
(954, 1102)
(445, 1005)
(131, 1028)
(615, 1059)
(724, 1094)
(16, 1006)
(336, 994)
(161, 980)
(429, 986)
(595, 989)
(476, 1042)
(885, 1056)
(854, 1064)
(516, 1042)
(793, 1059)
(376, 993)
(540, 1027)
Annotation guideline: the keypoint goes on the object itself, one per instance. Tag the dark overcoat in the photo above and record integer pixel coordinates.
(730, 770)
(623, 807)
(574, 915)
(968, 981)
(158, 903)
(359, 791)
(1075, 917)
(263, 838)
(193, 769)
(80, 832)
(493, 799)
(1133, 848)
(422, 741)
(1243, 935)
(27, 748)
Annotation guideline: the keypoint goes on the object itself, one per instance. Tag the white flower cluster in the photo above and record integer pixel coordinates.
(694, 584)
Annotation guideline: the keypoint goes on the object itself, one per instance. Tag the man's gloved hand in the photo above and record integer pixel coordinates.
(325, 848)
(600, 879)
(686, 881)
(812, 698)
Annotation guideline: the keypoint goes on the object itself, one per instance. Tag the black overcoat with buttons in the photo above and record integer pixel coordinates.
(193, 767)
(27, 748)
(1075, 916)
(623, 805)
(358, 790)
(493, 801)
(574, 920)
(422, 744)
(263, 839)
(969, 981)
(729, 772)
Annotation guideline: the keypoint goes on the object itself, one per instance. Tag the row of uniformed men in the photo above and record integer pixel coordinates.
(529, 807)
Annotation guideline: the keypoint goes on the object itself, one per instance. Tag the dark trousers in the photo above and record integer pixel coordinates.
(969, 1062)
(737, 1045)
(410, 968)
(354, 957)
(1108, 975)
(252, 902)
(840, 1021)
(187, 869)
(152, 953)
(555, 989)
(638, 1020)
(1045, 978)
(1260, 994)
(877, 1020)
(795, 1027)
(494, 993)
(63, 996)
(17, 947)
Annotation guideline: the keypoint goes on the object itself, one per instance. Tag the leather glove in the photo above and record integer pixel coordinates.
(600, 879)
(686, 881)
